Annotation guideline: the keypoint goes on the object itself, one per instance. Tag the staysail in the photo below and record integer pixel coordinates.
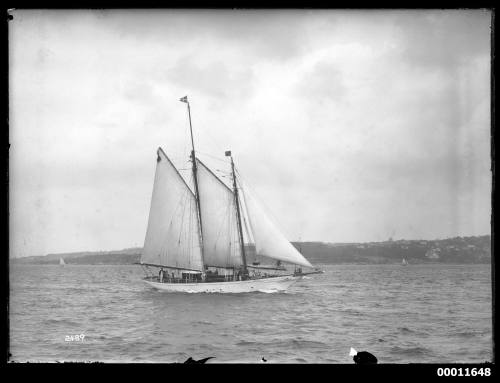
(221, 246)
(173, 235)
(269, 241)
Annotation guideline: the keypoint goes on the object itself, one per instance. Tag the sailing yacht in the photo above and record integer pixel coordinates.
(61, 262)
(405, 262)
(199, 239)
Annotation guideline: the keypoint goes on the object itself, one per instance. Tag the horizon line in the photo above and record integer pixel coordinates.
(390, 239)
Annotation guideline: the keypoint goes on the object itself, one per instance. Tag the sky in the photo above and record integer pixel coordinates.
(350, 126)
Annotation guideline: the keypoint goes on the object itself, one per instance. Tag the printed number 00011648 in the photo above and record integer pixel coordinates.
(463, 371)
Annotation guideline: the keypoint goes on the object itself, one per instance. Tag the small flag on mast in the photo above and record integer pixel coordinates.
(184, 99)
(228, 153)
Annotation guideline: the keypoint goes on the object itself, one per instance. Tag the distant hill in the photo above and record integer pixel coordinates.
(118, 257)
(462, 250)
(452, 250)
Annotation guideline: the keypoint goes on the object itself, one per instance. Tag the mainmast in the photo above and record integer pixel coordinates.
(238, 214)
(195, 177)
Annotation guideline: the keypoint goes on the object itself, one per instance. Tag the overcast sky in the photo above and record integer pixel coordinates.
(351, 126)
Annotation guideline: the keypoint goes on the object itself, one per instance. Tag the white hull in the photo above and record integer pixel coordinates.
(264, 285)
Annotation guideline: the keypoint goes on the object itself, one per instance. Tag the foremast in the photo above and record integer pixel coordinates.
(238, 216)
(195, 179)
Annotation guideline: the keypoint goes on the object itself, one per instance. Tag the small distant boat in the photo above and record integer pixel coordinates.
(195, 237)
(61, 262)
(405, 262)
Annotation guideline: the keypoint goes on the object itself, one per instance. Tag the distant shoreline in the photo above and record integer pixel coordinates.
(457, 250)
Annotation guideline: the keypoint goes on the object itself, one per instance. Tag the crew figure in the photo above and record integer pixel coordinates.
(160, 276)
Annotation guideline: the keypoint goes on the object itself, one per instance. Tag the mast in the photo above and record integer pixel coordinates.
(195, 177)
(238, 214)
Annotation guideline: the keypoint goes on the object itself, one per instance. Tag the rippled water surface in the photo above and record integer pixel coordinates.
(413, 314)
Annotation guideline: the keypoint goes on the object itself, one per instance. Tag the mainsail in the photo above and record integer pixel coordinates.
(269, 241)
(173, 235)
(221, 246)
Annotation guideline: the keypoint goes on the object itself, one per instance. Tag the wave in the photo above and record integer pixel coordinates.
(203, 322)
(105, 317)
(300, 360)
(269, 291)
(469, 334)
(411, 351)
(246, 343)
(406, 330)
(67, 322)
(284, 343)
(352, 311)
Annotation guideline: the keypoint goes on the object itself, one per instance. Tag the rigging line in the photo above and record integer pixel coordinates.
(164, 247)
(245, 214)
(185, 234)
(175, 169)
(189, 234)
(231, 224)
(214, 175)
(247, 230)
(219, 231)
(186, 142)
(249, 227)
(206, 133)
(214, 157)
(183, 213)
(222, 171)
(256, 196)
(236, 234)
(196, 226)
(232, 234)
(195, 239)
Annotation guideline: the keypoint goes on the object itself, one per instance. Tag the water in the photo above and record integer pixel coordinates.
(413, 314)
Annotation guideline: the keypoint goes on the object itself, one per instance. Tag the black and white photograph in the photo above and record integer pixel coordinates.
(250, 186)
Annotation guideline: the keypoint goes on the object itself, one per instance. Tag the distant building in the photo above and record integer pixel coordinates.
(433, 253)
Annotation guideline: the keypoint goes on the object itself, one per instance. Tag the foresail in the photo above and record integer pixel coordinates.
(172, 237)
(269, 241)
(221, 246)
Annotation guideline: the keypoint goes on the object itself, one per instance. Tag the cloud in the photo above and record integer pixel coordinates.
(323, 83)
(213, 79)
(274, 35)
(443, 39)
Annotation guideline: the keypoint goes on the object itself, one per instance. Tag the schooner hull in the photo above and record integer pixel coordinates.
(272, 284)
